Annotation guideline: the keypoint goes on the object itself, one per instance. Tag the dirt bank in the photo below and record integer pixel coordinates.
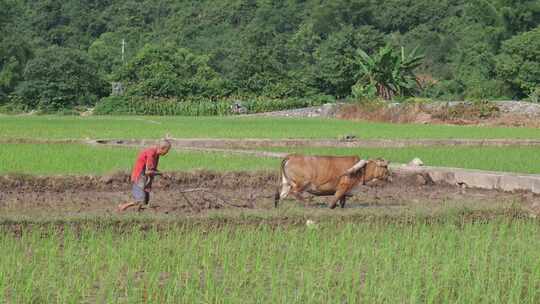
(491, 113)
(501, 113)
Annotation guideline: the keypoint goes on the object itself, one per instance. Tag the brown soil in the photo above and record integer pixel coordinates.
(195, 193)
(485, 114)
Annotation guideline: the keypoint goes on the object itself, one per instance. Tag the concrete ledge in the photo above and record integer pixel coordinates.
(490, 180)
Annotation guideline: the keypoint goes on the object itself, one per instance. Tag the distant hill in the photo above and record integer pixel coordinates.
(278, 49)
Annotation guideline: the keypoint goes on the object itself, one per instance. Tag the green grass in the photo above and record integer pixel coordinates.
(495, 262)
(48, 159)
(510, 159)
(62, 127)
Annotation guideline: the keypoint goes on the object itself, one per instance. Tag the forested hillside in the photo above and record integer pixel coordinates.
(60, 54)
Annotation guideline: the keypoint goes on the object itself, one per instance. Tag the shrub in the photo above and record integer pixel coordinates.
(535, 95)
(444, 90)
(14, 107)
(386, 74)
(161, 106)
(135, 105)
(113, 105)
(488, 89)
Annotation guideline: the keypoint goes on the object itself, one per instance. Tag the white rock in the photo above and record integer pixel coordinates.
(416, 162)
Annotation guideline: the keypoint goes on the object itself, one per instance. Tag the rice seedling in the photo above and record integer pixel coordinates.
(50, 159)
(69, 127)
(379, 262)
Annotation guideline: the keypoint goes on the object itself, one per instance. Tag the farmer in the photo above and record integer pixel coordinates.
(143, 174)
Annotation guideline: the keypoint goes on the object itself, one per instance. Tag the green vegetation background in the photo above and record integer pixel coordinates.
(63, 54)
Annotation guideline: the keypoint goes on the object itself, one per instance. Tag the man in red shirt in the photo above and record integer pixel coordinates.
(143, 174)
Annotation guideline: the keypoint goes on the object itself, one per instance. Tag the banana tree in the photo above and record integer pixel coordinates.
(386, 74)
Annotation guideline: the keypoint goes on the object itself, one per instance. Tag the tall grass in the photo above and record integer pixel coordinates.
(495, 262)
(59, 127)
(200, 106)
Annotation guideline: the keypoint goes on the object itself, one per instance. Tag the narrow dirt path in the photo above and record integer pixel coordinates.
(264, 143)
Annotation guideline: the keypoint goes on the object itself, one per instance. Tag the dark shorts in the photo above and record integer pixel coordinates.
(140, 195)
(138, 192)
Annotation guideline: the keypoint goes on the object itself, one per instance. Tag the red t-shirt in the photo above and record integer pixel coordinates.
(147, 160)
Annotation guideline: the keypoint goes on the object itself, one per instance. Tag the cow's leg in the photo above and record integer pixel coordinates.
(297, 190)
(342, 201)
(289, 187)
(340, 194)
(276, 198)
(283, 192)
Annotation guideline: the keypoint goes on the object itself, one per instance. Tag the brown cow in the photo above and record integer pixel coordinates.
(327, 175)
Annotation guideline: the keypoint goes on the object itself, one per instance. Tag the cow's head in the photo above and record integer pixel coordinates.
(370, 170)
(376, 170)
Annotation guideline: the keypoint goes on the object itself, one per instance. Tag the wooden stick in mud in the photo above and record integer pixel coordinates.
(194, 190)
(193, 207)
(220, 200)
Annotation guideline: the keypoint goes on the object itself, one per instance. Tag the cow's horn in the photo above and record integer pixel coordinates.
(359, 165)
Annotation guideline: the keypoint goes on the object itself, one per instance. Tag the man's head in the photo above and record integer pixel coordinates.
(163, 147)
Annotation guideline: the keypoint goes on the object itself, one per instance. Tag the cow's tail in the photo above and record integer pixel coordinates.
(282, 178)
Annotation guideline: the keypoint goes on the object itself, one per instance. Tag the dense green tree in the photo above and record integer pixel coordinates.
(330, 16)
(476, 39)
(58, 78)
(520, 15)
(167, 71)
(106, 51)
(335, 66)
(14, 53)
(434, 44)
(404, 15)
(519, 62)
(285, 48)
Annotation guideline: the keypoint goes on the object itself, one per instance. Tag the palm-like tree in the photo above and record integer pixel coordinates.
(387, 73)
